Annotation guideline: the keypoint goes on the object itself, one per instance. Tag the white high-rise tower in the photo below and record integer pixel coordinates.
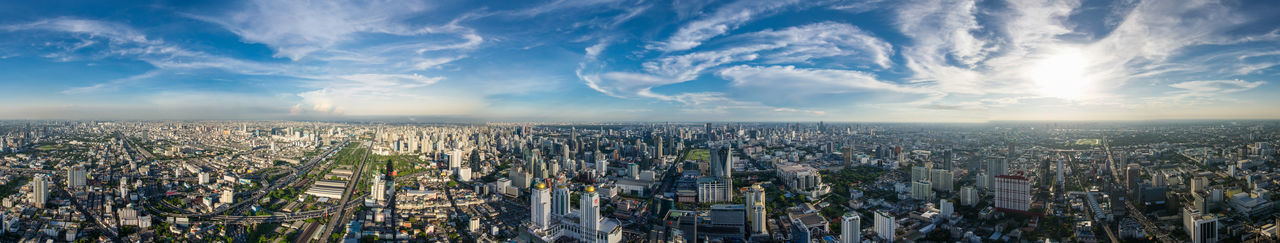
(590, 212)
(540, 206)
(756, 216)
(851, 228)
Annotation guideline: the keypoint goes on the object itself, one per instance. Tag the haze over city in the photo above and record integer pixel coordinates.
(566, 60)
(640, 121)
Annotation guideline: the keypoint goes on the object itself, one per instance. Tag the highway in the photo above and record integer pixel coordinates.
(1133, 211)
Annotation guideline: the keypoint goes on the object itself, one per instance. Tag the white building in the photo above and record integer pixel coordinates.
(455, 158)
(540, 207)
(39, 190)
(851, 228)
(922, 190)
(942, 180)
(946, 207)
(1200, 228)
(76, 176)
(756, 215)
(886, 226)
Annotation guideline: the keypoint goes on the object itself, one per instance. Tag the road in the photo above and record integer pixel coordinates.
(346, 195)
(94, 218)
(1133, 211)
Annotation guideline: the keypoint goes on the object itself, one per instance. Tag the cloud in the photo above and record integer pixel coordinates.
(802, 81)
(727, 18)
(1213, 87)
(295, 29)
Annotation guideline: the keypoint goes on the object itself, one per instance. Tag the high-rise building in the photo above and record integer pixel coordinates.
(76, 176)
(1199, 183)
(602, 167)
(377, 190)
(968, 196)
(560, 200)
(633, 170)
(921, 190)
(996, 167)
(946, 207)
(756, 215)
(942, 180)
(658, 141)
(886, 226)
(1061, 173)
(540, 206)
(228, 196)
(851, 228)
(455, 158)
(919, 173)
(722, 162)
(39, 190)
(1200, 227)
(1013, 193)
(589, 217)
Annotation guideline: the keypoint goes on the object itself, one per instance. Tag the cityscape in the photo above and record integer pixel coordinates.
(640, 121)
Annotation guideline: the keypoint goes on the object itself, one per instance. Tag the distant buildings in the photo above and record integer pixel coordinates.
(1013, 193)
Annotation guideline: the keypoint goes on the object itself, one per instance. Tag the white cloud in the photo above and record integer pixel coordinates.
(804, 81)
(724, 19)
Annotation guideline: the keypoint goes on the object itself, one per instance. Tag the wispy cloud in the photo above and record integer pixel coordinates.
(718, 23)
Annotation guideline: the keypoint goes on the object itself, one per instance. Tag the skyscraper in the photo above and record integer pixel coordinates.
(540, 206)
(722, 162)
(590, 212)
(851, 228)
(39, 190)
(756, 215)
(658, 141)
(560, 200)
(455, 159)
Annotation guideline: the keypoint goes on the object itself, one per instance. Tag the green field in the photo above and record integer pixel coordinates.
(698, 155)
(1090, 141)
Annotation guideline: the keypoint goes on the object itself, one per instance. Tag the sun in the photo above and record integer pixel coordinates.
(1063, 74)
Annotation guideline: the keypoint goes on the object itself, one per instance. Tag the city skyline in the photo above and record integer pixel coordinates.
(565, 60)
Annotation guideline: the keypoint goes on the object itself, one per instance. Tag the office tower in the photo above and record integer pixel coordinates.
(968, 196)
(756, 215)
(560, 200)
(1044, 172)
(39, 190)
(540, 206)
(942, 180)
(995, 168)
(658, 141)
(203, 178)
(1133, 181)
(886, 226)
(1200, 227)
(851, 228)
(1013, 193)
(634, 170)
(1061, 173)
(590, 210)
(602, 167)
(76, 176)
(722, 162)
(847, 153)
(455, 158)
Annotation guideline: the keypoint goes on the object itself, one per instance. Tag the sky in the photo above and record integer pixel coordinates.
(636, 60)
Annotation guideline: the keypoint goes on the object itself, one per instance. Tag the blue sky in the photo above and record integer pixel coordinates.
(605, 60)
